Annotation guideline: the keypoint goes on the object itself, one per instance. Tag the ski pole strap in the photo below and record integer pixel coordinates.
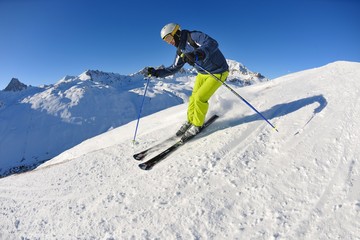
(238, 95)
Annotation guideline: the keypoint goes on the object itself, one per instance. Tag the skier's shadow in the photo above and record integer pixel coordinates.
(276, 111)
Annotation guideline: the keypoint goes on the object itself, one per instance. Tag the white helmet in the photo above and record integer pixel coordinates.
(170, 28)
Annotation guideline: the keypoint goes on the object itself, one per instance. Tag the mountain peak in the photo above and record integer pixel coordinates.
(15, 86)
(100, 76)
(241, 74)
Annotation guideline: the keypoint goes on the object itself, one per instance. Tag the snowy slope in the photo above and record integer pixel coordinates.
(238, 180)
(38, 123)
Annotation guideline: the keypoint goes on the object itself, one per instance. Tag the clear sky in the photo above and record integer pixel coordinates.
(41, 41)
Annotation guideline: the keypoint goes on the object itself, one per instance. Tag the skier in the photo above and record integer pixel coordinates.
(194, 47)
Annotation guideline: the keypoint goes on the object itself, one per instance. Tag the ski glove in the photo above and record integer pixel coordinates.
(152, 72)
(193, 57)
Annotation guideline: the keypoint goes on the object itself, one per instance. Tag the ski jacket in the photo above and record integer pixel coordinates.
(214, 61)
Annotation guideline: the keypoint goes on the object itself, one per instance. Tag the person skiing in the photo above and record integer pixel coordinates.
(197, 49)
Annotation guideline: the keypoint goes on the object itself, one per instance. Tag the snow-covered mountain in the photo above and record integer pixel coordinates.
(237, 180)
(38, 123)
(241, 74)
(15, 85)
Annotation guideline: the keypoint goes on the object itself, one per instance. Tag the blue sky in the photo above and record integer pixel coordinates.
(41, 41)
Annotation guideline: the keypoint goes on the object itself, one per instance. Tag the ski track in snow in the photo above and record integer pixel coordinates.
(237, 180)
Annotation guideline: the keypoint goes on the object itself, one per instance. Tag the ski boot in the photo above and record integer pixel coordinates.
(190, 133)
(183, 129)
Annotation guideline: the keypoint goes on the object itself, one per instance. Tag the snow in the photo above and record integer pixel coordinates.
(38, 123)
(239, 179)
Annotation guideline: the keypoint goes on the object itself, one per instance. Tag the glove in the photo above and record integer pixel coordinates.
(194, 56)
(152, 72)
(199, 55)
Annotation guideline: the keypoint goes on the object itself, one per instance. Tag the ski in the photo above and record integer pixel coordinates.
(141, 155)
(161, 156)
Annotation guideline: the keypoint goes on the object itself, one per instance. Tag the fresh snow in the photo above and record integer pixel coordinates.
(38, 123)
(239, 179)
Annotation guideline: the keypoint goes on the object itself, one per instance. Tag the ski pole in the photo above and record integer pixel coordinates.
(238, 95)
(140, 110)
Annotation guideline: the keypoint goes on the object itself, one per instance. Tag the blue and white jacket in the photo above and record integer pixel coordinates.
(214, 61)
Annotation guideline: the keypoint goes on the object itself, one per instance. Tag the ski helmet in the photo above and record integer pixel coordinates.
(170, 28)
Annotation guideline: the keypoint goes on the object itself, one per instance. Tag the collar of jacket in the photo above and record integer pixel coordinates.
(184, 38)
(182, 43)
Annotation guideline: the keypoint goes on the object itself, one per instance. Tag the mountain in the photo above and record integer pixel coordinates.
(237, 180)
(241, 74)
(38, 123)
(15, 85)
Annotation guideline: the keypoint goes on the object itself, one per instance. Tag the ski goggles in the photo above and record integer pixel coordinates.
(168, 38)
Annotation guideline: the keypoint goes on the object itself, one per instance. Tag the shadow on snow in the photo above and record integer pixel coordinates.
(277, 111)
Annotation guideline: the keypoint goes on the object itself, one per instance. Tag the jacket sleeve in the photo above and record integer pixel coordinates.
(174, 68)
(207, 44)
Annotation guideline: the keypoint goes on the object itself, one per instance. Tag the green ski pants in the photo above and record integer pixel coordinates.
(205, 86)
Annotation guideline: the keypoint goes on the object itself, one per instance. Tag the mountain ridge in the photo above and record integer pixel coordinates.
(38, 123)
